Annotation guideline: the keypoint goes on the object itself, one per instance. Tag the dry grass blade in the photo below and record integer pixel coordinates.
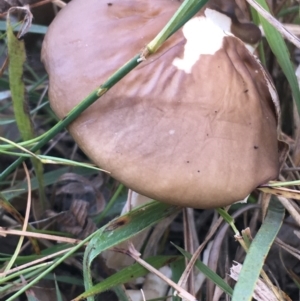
(284, 31)
(293, 28)
(258, 251)
(59, 3)
(197, 253)
(34, 262)
(5, 232)
(188, 223)
(25, 224)
(293, 251)
(132, 252)
(280, 191)
(215, 254)
(262, 292)
(27, 21)
(290, 208)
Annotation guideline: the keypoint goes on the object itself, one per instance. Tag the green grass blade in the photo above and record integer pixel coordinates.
(23, 259)
(58, 292)
(110, 204)
(127, 274)
(34, 28)
(53, 160)
(56, 262)
(120, 291)
(289, 10)
(15, 254)
(260, 48)
(122, 229)
(15, 213)
(177, 268)
(9, 120)
(186, 11)
(281, 52)
(31, 297)
(170, 28)
(215, 278)
(17, 58)
(257, 253)
(49, 179)
(8, 288)
(6, 279)
(227, 217)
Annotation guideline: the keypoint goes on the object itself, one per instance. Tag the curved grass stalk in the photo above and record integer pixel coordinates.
(184, 13)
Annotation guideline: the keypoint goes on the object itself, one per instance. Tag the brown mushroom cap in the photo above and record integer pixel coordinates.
(199, 136)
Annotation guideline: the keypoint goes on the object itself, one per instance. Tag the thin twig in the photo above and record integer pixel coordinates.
(34, 262)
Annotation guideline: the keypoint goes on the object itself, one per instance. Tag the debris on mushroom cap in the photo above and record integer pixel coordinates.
(240, 27)
(193, 125)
